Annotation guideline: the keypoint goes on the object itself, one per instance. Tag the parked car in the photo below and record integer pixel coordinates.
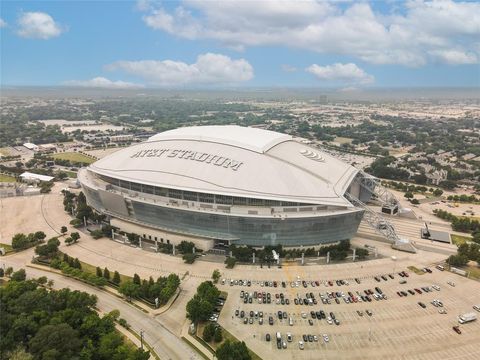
(422, 304)
(267, 337)
(457, 329)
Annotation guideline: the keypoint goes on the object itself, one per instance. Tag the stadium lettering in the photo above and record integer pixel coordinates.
(216, 160)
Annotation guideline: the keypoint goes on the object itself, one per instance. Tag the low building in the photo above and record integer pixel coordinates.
(31, 146)
(32, 178)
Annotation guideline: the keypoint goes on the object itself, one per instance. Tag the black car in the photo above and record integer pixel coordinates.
(242, 314)
(280, 315)
(267, 337)
(305, 338)
(357, 281)
(391, 276)
(287, 302)
(295, 301)
(237, 312)
(310, 338)
(422, 304)
(378, 290)
(313, 315)
(332, 315)
(270, 320)
(377, 279)
(384, 277)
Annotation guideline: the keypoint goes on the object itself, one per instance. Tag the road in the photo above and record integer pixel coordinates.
(166, 344)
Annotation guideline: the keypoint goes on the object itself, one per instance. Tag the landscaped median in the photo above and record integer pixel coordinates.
(145, 294)
(201, 310)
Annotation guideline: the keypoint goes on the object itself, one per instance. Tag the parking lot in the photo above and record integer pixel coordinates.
(397, 328)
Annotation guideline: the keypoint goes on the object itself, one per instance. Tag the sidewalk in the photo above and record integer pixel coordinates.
(200, 347)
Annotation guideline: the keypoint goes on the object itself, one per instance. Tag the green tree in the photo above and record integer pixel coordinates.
(218, 336)
(58, 341)
(19, 242)
(189, 258)
(106, 274)
(136, 279)
(68, 241)
(9, 271)
(2, 272)
(19, 275)
(208, 332)
(77, 264)
(216, 276)
(99, 271)
(116, 278)
(199, 309)
(437, 192)
(233, 351)
(75, 236)
(40, 235)
(408, 195)
(129, 289)
(185, 247)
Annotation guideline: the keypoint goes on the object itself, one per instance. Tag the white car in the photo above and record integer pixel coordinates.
(436, 287)
(304, 315)
(289, 337)
(451, 283)
(476, 307)
(301, 346)
(329, 320)
(325, 338)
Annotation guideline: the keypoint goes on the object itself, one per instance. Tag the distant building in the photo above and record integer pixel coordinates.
(31, 146)
(121, 138)
(32, 178)
(437, 176)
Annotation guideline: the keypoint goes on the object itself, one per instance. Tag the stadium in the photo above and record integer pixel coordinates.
(222, 185)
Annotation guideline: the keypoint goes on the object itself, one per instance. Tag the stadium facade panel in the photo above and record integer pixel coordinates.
(230, 184)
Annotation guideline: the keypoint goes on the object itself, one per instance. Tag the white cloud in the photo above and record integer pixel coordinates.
(344, 73)
(455, 57)
(208, 69)
(38, 25)
(103, 83)
(288, 68)
(2, 23)
(407, 35)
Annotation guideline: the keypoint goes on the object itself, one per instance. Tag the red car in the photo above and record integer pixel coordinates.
(457, 329)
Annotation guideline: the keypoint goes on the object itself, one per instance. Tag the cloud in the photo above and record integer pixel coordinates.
(455, 57)
(103, 83)
(38, 25)
(344, 73)
(2, 23)
(208, 69)
(408, 33)
(288, 68)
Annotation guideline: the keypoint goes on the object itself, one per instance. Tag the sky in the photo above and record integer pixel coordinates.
(266, 43)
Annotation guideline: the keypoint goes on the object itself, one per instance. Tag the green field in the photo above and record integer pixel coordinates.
(459, 239)
(6, 178)
(73, 156)
(342, 140)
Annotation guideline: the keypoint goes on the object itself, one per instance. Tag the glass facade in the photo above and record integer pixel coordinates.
(255, 231)
(195, 196)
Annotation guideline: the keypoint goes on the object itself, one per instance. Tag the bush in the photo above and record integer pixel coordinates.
(19, 275)
(218, 337)
(116, 278)
(189, 258)
(96, 234)
(208, 332)
(124, 323)
(76, 223)
(230, 261)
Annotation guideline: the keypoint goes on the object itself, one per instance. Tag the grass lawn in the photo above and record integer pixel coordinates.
(416, 270)
(460, 239)
(93, 270)
(6, 178)
(474, 271)
(342, 140)
(8, 248)
(73, 156)
(71, 174)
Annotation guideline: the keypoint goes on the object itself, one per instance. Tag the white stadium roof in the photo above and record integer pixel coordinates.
(233, 160)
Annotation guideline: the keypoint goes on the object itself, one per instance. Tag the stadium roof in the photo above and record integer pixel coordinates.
(233, 160)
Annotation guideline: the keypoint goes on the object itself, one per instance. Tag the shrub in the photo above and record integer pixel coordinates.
(189, 258)
(230, 261)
